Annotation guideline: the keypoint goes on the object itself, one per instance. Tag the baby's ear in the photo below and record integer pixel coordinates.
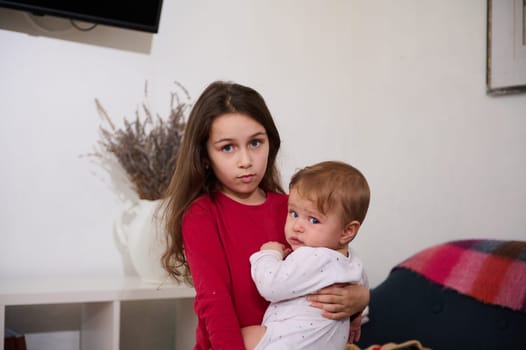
(349, 232)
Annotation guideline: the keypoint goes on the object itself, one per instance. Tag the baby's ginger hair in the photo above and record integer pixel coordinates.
(332, 185)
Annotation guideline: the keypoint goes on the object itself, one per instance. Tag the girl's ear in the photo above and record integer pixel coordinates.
(349, 232)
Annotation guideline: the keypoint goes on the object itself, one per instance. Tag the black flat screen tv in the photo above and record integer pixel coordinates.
(142, 15)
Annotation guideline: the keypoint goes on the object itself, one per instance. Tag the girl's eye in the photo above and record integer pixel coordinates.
(227, 148)
(293, 214)
(313, 220)
(255, 143)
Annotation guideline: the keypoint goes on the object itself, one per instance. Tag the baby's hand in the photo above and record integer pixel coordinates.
(276, 246)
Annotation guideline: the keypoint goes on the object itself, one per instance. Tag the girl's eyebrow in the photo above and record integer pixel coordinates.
(223, 140)
(230, 139)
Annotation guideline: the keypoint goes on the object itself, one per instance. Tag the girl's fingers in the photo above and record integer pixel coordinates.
(324, 298)
(335, 289)
(330, 311)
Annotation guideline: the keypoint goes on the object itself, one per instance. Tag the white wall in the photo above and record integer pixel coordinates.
(395, 88)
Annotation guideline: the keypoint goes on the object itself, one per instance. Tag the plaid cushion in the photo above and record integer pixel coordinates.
(491, 271)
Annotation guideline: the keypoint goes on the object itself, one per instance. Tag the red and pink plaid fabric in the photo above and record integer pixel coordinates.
(491, 271)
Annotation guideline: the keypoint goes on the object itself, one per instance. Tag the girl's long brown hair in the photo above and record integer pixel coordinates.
(193, 177)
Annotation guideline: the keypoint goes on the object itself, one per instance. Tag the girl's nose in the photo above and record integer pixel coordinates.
(244, 160)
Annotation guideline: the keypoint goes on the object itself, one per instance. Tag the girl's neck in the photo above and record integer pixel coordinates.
(255, 198)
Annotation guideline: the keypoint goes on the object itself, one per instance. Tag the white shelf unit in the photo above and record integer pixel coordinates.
(100, 300)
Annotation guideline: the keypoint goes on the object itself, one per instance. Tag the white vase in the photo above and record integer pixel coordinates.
(140, 230)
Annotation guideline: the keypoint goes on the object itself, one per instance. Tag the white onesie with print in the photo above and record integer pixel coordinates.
(290, 320)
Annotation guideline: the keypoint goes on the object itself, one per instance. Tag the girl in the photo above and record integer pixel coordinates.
(224, 201)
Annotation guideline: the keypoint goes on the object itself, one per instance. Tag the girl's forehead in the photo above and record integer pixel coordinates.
(233, 125)
(235, 117)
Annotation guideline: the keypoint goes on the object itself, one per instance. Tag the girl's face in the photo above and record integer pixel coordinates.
(238, 149)
(306, 226)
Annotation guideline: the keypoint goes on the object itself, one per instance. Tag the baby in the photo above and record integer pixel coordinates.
(327, 205)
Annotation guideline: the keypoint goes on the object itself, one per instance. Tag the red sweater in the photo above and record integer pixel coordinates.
(219, 236)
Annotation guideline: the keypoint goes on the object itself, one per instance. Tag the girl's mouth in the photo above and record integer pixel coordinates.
(246, 178)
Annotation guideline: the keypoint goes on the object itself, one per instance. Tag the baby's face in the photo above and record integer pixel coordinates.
(307, 226)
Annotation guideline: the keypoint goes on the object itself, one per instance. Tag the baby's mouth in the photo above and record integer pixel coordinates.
(295, 241)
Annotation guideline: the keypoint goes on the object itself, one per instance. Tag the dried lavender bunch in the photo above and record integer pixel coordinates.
(147, 147)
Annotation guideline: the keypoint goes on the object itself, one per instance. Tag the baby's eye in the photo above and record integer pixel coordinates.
(227, 148)
(313, 220)
(255, 143)
(293, 214)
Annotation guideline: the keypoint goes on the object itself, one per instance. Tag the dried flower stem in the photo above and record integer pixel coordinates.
(147, 147)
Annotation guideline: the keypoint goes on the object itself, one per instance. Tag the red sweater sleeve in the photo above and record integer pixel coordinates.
(218, 326)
